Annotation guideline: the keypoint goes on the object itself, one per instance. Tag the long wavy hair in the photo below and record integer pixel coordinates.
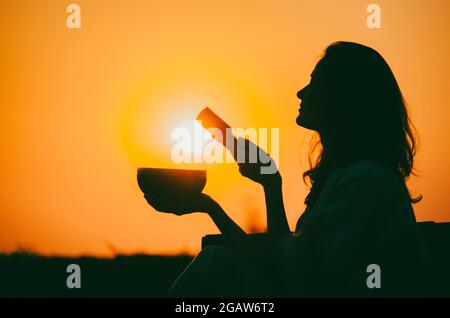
(366, 117)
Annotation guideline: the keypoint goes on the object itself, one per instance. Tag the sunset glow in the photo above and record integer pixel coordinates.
(84, 109)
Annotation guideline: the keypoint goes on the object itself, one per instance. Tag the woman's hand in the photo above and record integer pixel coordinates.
(202, 203)
(264, 171)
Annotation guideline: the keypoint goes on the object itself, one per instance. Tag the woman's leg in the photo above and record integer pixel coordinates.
(216, 271)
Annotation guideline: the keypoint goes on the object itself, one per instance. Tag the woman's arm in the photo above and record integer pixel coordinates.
(277, 224)
(204, 204)
(230, 230)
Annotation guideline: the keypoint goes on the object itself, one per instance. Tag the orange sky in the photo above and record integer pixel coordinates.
(82, 109)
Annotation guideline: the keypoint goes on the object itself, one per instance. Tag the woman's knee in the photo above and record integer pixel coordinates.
(219, 258)
(216, 270)
(218, 252)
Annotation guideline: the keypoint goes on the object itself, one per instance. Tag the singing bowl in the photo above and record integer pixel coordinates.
(173, 184)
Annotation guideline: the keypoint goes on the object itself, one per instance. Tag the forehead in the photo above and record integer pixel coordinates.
(318, 68)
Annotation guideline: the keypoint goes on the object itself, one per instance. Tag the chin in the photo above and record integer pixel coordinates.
(300, 121)
(304, 123)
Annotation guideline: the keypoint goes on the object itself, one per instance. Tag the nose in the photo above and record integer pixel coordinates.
(301, 93)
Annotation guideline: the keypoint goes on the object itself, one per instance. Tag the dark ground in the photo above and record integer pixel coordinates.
(26, 275)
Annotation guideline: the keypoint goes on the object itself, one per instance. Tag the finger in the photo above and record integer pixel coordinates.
(244, 168)
(158, 204)
(166, 206)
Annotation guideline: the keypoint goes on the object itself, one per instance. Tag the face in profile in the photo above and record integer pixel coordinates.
(313, 103)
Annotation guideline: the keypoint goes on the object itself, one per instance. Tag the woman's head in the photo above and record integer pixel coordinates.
(354, 103)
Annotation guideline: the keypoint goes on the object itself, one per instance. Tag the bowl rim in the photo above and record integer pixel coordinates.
(151, 169)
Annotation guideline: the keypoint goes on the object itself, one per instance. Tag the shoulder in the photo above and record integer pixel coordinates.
(364, 177)
(364, 172)
(359, 192)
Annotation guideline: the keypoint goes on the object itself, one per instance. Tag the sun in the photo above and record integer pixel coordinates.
(196, 138)
(170, 98)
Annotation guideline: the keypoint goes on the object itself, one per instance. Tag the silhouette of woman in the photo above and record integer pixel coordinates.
(358, 211)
